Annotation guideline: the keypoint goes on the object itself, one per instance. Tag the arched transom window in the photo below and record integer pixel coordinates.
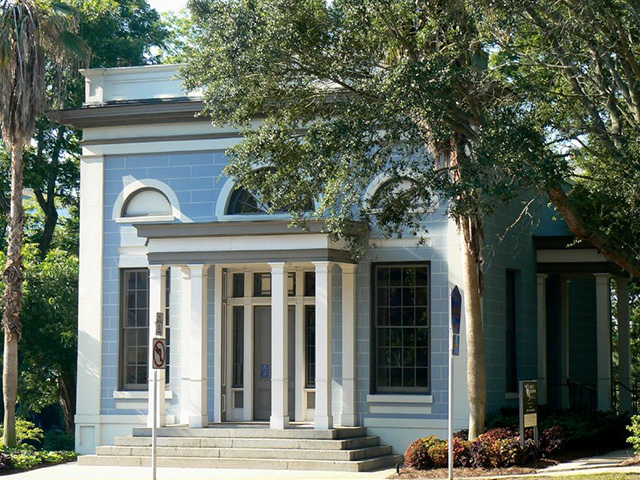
(147, 202)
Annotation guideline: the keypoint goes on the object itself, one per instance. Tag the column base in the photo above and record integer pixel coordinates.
(349, 420)
(279, 423)
(323, 422)
(198, 421)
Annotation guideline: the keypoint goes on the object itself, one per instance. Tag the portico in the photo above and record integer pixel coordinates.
(561, 264)
(271, 354)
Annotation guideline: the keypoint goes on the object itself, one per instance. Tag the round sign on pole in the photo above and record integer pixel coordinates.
(159, 346)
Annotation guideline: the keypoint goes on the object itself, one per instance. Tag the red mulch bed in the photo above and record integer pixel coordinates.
(532, 467)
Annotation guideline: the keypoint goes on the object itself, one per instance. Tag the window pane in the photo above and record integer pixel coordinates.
(238, 347)
(261, 284)
(310, 346)
(309, 284)
(135, 331)
(238, 285)
(291, 284)
(402, 328)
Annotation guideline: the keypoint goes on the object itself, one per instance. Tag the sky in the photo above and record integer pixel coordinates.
(168, 5)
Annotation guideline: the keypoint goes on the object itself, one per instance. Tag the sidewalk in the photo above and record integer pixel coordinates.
(71, 471)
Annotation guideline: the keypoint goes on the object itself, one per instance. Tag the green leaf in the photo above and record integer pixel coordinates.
(62, 8)
(73, 44)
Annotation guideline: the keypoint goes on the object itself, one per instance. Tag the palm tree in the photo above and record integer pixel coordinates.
(32, 33)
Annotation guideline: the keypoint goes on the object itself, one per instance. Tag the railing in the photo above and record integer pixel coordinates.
(582, 398)
(618, 388)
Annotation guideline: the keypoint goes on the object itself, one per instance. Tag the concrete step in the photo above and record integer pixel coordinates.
(244, 463)
(248, 453)
(339, 433)
(273, 443)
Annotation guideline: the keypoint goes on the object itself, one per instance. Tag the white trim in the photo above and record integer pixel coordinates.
(405, 423)
(569, 256)
(394, 398)
(166, 146)
(139, 394)
(150, 218)
(135, 185)
(400, 409)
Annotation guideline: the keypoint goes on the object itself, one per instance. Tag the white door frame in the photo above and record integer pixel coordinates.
(248, 301)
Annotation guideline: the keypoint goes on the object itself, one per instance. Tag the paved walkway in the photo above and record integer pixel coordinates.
(71, 471)
(607, 460)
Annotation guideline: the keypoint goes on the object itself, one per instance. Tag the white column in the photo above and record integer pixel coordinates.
(219, 318)
(157, 304)
(603, 328)
(299, 348)
(196, 356)
(624, 344)
(564, 343)
(349, 418)
(324, 418)
(279, 348)
(185, 345)
(247, 393)
(90, 304)
(542, 338)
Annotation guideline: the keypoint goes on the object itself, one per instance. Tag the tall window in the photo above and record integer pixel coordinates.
(310, 346)
(135, 329)
(134, 321)
(238, 347)
(510, 317)
(401, 325)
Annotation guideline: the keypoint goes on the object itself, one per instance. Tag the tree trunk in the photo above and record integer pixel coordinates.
(13, 277)
(476, 369)
(67, 385)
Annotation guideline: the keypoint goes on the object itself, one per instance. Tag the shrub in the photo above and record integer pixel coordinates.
(634, 428)
(58, 440)
(551, 440)
(27, 434)
(439, 454)
(417, 456)
(461, 455)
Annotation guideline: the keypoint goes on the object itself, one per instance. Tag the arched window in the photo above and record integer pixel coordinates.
(243, 202)
(147, 202)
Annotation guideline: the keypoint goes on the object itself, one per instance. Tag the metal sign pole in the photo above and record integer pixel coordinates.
(455, 316)
(154, 424)
(451, 405)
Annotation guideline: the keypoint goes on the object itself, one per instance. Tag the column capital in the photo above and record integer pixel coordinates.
(542, 276)
(602, 278)
(348, 268)
(197, 270)
(323, 266)
(157, 270)
(277, 267)
(622, 280)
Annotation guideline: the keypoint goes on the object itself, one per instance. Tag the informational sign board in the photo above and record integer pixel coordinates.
(456, 315)
(528, 408)
(159, 346)
(159, 324)
(264, 370)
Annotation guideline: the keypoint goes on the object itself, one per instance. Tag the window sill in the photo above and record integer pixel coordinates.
(139, 394)
(395, 398)
(152, 218)
(511, 396)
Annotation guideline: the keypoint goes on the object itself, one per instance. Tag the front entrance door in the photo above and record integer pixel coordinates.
(262, 362)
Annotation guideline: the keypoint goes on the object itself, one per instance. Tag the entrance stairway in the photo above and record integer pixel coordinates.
(346, 449)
